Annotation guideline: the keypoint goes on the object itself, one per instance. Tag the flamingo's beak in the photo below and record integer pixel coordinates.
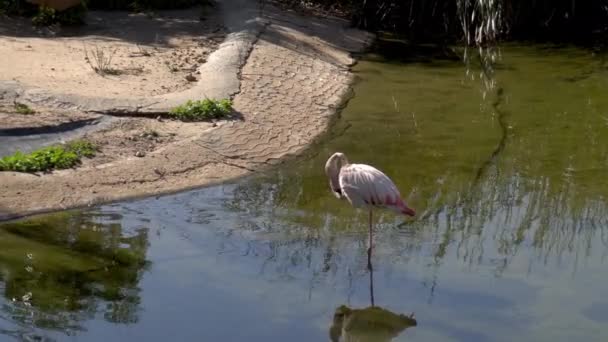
(409, 211)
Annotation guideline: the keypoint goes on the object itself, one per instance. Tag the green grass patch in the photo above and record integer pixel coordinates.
(49, 158)
(83, 148)
(202, 110)
(21, 108)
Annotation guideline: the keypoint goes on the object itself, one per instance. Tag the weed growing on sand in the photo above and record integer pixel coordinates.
(83, 148)
(141, 52)
(202, 110)
(49, 158)
(101, 61)
(21, 108)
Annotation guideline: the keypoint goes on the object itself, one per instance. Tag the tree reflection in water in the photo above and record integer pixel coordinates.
(499, 168)
(543, 218)
(62, 269)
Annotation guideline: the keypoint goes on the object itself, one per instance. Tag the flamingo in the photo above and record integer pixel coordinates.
(364, 186)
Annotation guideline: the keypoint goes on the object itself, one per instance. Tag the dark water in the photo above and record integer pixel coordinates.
(505, 162)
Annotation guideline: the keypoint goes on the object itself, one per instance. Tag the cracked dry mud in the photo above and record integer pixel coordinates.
(291, 84)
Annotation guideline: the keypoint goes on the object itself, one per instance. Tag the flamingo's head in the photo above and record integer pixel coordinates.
(332, 170)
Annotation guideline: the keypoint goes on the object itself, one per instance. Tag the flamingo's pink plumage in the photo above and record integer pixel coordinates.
(364, 186)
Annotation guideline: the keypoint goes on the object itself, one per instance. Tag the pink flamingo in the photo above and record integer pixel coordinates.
(364, 186)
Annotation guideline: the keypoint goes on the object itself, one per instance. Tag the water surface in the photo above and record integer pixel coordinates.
(505, 162)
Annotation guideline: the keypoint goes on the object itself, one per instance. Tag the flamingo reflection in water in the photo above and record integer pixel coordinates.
(364, 186)
(373, 324)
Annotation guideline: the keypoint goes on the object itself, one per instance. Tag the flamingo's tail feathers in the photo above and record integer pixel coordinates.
(408, 211)
(404, 209)
(399, 206)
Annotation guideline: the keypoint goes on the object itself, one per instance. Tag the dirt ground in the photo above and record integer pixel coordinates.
(126, 137)
(142, 54)
(138, 137)
(9, 119)
(150, 55)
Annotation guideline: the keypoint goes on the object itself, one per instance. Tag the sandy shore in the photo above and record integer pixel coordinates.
(291, 74)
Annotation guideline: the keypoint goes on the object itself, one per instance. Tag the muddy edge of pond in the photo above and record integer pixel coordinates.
(295, 78)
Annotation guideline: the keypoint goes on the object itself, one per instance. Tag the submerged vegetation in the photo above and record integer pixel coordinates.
(202, 110)
(58, 269)
(49, 158)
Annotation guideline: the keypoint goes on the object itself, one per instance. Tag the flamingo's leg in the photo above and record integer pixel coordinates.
(369, 249)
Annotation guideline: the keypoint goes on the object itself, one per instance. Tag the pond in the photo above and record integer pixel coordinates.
(503, 153)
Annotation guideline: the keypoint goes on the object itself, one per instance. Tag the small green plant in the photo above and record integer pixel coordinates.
(202, 110)
(82, 148)
(47, 16)
(21, 108)
(49, 158)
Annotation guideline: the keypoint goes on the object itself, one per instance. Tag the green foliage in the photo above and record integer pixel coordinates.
(202, 110)
(53, 157)
(47, 16)
(82, 148)
(474, 21)
(21, 108)
(141, 5)
(42, 15)
(49, 158)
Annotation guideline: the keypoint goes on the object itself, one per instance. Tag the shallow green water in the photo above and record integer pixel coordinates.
(506, 169)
